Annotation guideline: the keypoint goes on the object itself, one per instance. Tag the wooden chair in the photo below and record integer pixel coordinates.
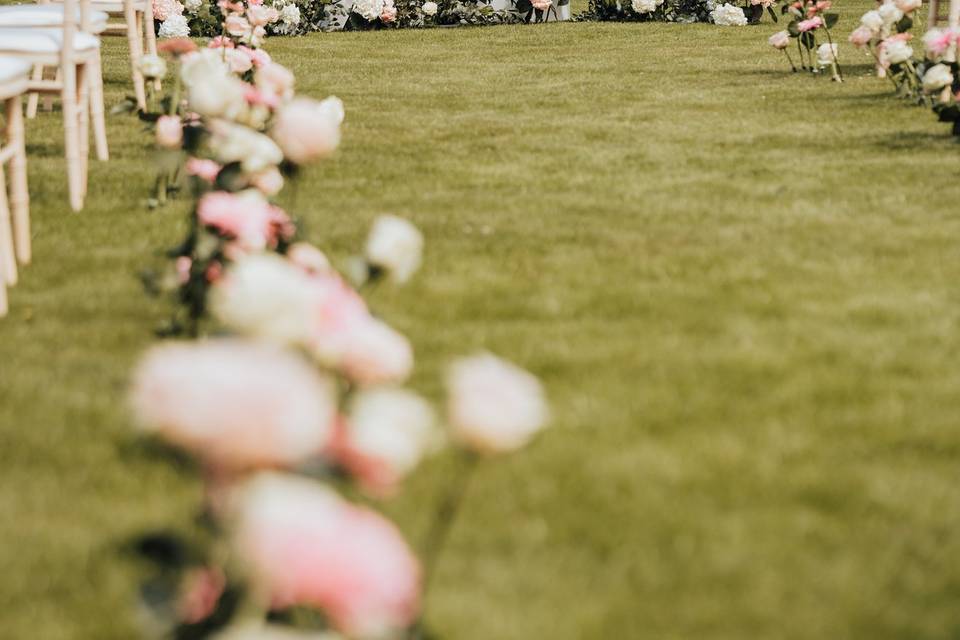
(76, 56)
(137, 25)
(15, 240)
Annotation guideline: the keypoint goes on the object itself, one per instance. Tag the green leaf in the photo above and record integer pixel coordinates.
(230, 178)
(792, 28)
(773, 14)
(808, 40)
(904, 25)
(830, 19)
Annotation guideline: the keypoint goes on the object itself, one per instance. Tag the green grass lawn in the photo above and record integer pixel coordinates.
(739, 286)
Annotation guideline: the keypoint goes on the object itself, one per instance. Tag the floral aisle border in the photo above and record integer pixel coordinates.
(283, 393)
(930, 79)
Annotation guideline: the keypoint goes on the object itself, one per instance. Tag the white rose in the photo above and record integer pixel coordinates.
(290, 15)
(175, 26)
(211, 89)
(368, 9)
(826, 54)
(255, 151)
(937, 77)
(644, 6)
(192, 5)
(430, 8)
(396, 246)
(393, 427)
(153, 66)
(889, 13)
(896, 52)
(307, 130)
(265, 296)
(370, 352)
(494, 406)
(872, 20)
(727, 15)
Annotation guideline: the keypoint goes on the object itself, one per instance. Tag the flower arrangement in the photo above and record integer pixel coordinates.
(884, 33)
(290, 406)
(684, 11)
(810, 17)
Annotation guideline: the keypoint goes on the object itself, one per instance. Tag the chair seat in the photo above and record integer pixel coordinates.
(112, 6)
(13, 68)
(43, 41)
(45, 16)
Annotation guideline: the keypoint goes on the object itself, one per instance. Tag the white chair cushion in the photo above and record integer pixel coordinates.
(12, 68)
(27, 15)
(113, 6)
(43, 41)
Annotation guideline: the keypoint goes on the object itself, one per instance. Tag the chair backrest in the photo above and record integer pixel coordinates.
(70, 12)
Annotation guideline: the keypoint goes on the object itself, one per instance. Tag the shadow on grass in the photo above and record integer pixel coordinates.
(910, 140)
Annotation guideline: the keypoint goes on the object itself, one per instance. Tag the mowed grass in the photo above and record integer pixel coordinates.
(738, 285)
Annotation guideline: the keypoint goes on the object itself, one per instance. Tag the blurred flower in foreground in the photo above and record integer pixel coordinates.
(385, 436)
(307, 546)
(256, 631)
(494, 406)
(394, 246)
(234, 404)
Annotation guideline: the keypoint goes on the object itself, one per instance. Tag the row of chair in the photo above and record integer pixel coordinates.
(58, 38)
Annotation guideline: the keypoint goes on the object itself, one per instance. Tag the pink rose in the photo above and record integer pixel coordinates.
(307, 130)
(259, 15)
(163, 9)
(779, 40)
(374, 353)
(307, 546)
(246, 216)
(203, 590)
(809, 25)
(226, 7)
(221, 42)
(861, 36)
(258, 57)
(203, 169)
(309, 258)
(937, 41)
(269, 181)
(274, 79)
(169, 132)
(389, 14)
(236, 25)
(235, 405)
(256, 97)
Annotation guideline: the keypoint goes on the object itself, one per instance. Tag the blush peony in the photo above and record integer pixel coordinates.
(307, 130)
(304, 545)
(234, 404)
(494, 406)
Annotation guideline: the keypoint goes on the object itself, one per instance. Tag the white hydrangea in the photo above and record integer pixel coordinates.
(645, 6)
(368, 9)
(192, 6)
(290, 15)
(728, 15)
(174, 27)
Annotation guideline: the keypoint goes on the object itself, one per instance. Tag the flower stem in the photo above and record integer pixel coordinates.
(446, 514)
(792, 66)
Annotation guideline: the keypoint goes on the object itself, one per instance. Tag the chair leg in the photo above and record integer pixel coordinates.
(135, 45)
(19, 195)
(48, 97)
(71, 123)
(151, 34)
(83, 113)
(9, 264)
(33, 101)
(97, 109)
